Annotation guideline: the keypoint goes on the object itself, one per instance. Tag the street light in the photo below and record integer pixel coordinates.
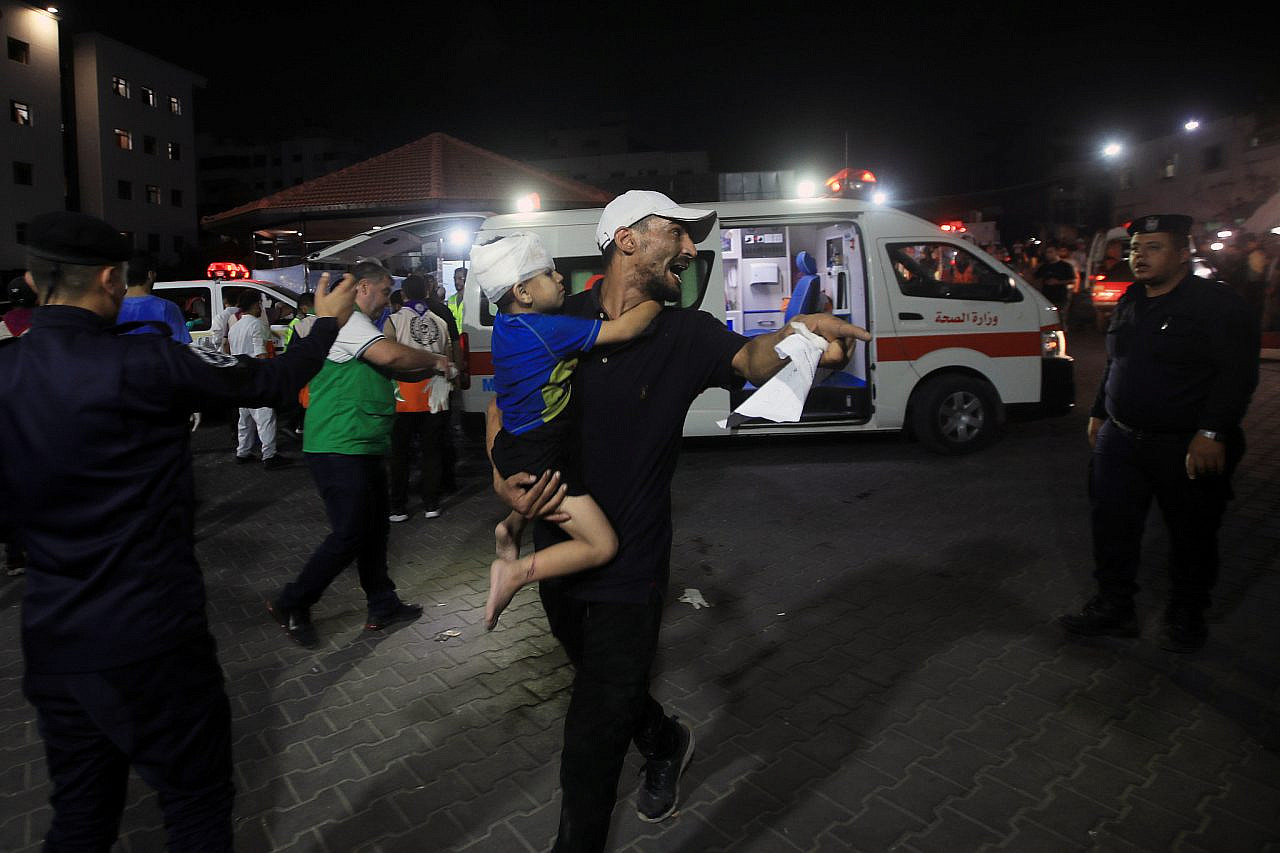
(1191, 125)
(1217, 247)
(1112, 150)
(1224, 234)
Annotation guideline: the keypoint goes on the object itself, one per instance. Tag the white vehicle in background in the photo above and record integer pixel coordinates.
(200, 300)
(959, 337)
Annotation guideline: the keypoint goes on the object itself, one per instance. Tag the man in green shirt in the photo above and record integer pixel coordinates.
(348, 431)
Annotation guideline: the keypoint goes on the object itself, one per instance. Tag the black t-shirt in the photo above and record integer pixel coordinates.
(1060, 270)
(1182, 361)
(630, 403)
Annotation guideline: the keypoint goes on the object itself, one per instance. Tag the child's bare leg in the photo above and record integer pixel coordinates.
(593, 543)
(507, 536)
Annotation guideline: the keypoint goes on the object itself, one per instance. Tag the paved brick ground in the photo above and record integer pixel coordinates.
(878, 669)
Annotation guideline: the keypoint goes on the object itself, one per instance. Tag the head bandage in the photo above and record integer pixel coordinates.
(502, 264)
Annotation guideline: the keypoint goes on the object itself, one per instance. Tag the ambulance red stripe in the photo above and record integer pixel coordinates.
(993, 344)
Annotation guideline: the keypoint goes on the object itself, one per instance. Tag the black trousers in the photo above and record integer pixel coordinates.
(427, 429)
(354, 490)
(611, 647)
(1126, 473)
(168, 717)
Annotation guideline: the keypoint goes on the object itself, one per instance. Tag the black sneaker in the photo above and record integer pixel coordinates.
(296, 622)
(400, 613)
(1102, 618)
(1184, 631)
(271, 463)
(660, 793)
(245, 460)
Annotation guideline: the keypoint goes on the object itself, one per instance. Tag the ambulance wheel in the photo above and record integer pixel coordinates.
(955, 414)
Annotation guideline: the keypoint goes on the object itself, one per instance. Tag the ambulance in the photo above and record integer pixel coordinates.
(959, 337)
(201, 299)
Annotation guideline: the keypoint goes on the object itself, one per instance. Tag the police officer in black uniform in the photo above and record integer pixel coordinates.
(1182, 362)
(120, 664)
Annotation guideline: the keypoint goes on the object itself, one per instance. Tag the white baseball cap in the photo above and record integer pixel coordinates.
(632, 206)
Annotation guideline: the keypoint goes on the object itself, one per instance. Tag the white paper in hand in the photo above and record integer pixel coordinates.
(781, 399)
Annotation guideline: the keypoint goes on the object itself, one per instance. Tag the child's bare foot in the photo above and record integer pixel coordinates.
(507, 539)
(505, 579)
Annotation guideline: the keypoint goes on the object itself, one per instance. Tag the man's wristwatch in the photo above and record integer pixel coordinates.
(1210, 434)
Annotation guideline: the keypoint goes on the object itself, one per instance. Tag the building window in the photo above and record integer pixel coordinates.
(153, 194)
(148, 96)
(148, 145)
(1213, 158)
(24, 174)
(175, 198)
(19, 51)
(20, 113)
(153, 244)
(1170, 169)
(120, 86)
(177, 243)
(124, 190)
(175, 105)
(20, 233)
(124, 139)
(175, 151)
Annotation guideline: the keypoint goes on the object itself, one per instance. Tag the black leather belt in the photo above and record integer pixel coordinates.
(1151, 435)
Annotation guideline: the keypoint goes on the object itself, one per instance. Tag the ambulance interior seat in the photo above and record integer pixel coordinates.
(806, 297)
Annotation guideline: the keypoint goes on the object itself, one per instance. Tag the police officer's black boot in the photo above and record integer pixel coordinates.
(1102, 617)
(1184, 629)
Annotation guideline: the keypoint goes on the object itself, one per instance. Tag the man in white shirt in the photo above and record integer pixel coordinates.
(422, 408)
(246, 339)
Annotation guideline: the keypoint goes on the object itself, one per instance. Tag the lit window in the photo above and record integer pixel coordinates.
(1170, 168)
(124, 139)
(175, 151)
(148, 145)
(120, 86)
(148, 96)
(175, 198)
(20, 113)
(124, 190)
(19, 51)
(175, 105)
(153, 194)
(23, 173)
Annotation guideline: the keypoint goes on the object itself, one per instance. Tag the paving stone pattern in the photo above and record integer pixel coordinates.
(878, 670)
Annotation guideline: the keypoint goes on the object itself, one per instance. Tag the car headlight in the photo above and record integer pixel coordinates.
(1053, 342)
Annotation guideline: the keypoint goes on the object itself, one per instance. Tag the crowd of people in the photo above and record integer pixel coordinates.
(121, 667)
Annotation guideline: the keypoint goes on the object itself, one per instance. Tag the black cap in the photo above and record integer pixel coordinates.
(1168, 223)
(76, 238)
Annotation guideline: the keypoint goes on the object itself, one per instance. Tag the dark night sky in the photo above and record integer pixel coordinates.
(935, 102)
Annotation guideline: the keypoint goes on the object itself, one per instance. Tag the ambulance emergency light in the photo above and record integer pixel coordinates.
(226, 270)
(849, 183)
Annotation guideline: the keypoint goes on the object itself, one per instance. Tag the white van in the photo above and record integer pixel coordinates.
(202, 299)
(958, 336)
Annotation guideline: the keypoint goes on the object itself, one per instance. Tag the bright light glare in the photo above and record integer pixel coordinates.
(1276, 230)
(806, 188)
(1217, 247)
(52, 10)
(1224, 234)
(459, 236)
(1191, 125)
(529, 203)
(1112, 149)
(880, 197)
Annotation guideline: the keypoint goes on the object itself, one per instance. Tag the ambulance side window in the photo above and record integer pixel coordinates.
(947, 271)
(194, 302)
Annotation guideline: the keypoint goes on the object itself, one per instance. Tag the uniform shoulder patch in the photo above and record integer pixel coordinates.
(217, 359)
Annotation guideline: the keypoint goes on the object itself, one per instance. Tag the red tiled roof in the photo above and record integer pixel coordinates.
(434, 168)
